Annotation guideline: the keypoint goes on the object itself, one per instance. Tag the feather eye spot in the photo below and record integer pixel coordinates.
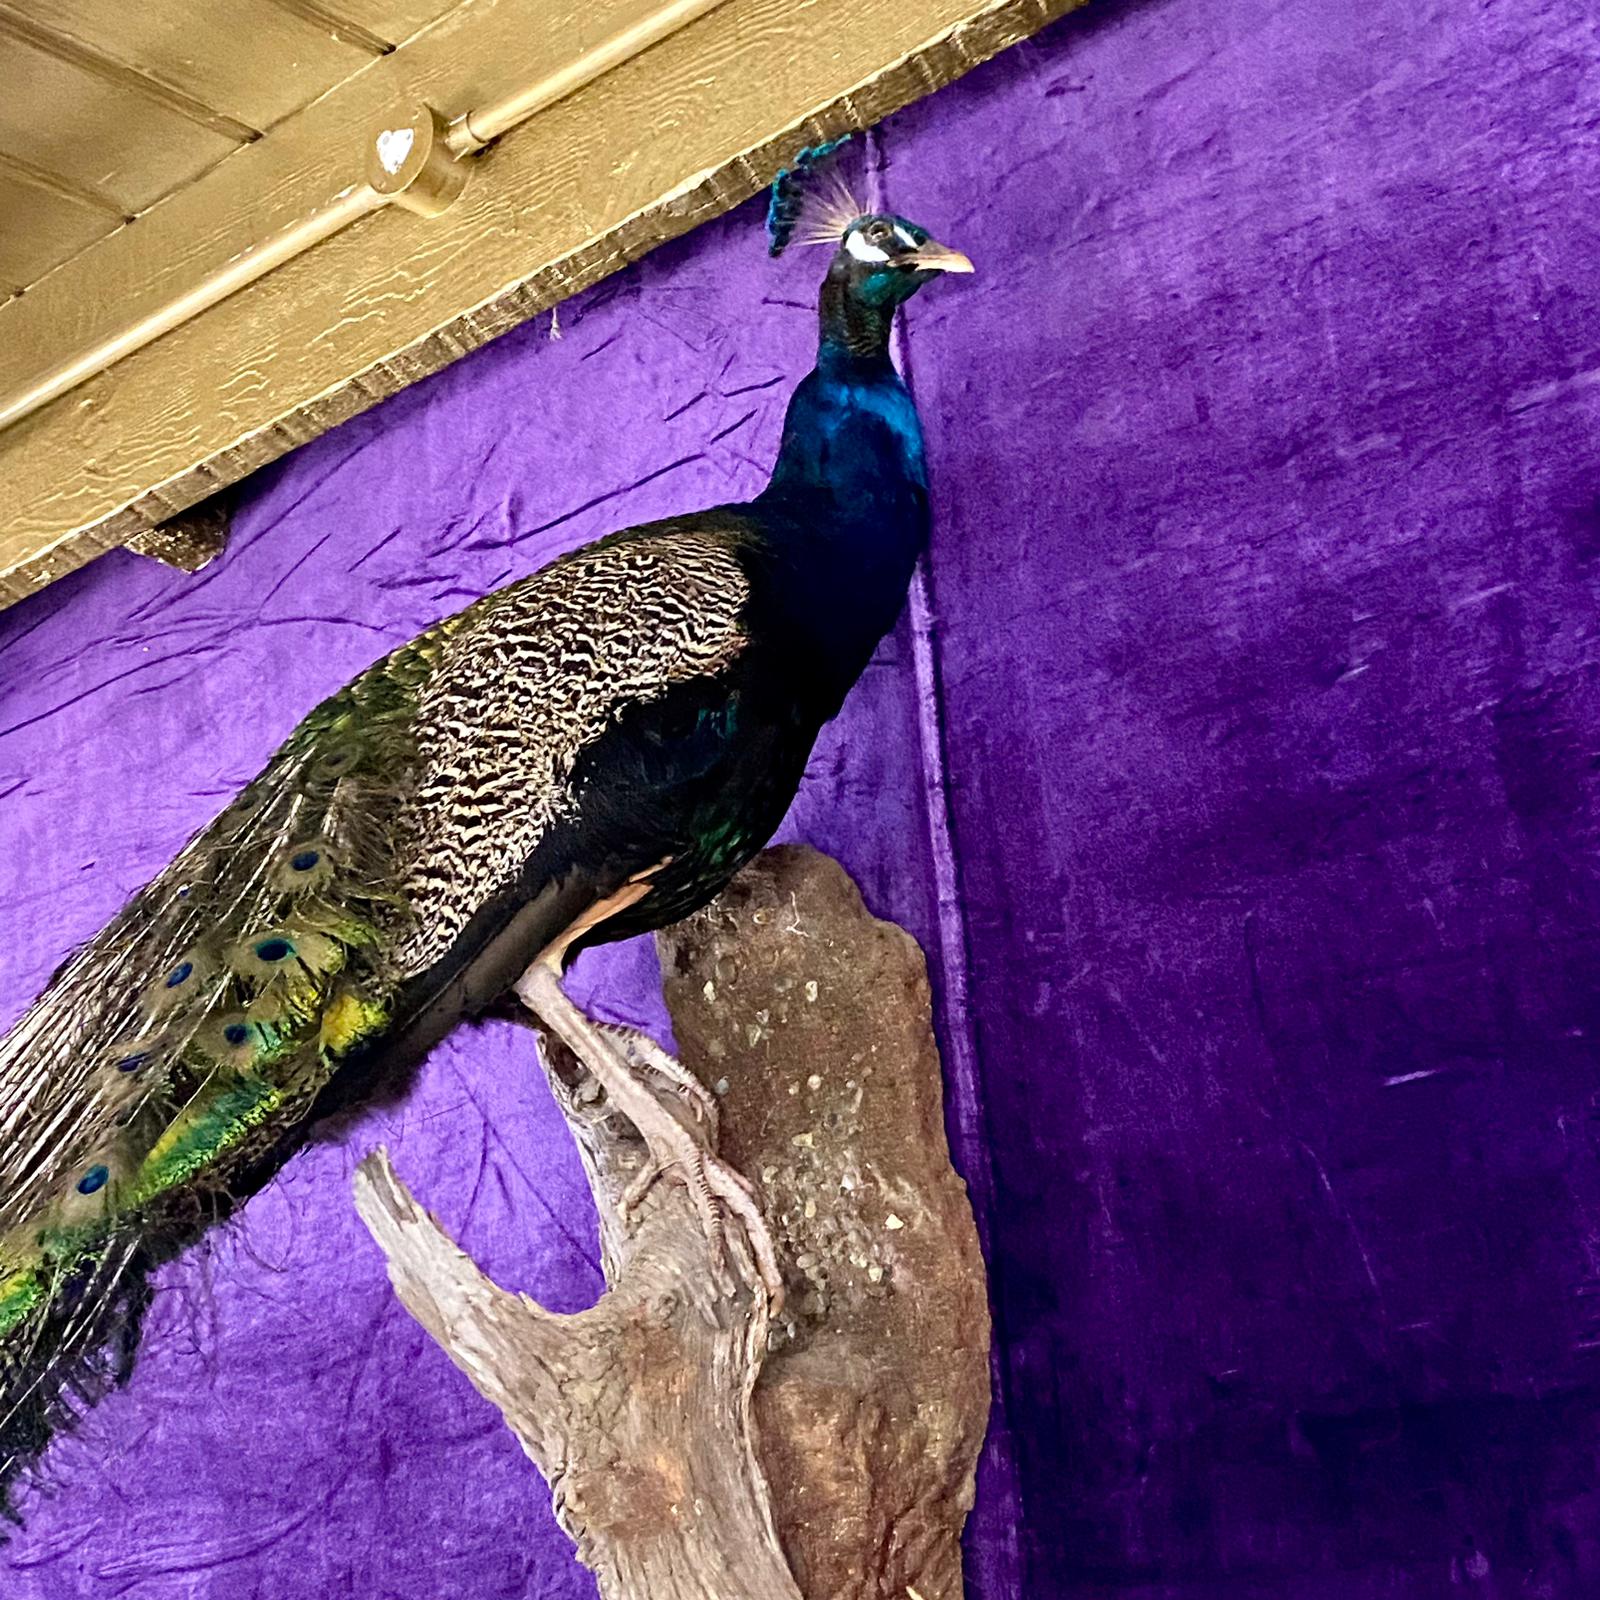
(305, 864)
(274, 950)
(134, 1054)
(235, 1041)
(94, 1180)
(180, 974)
(333, 764)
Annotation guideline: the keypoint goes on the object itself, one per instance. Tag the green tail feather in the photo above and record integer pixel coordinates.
(173, 1059)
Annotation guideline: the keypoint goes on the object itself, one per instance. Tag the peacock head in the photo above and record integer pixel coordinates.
(879, 260)
(883, 260)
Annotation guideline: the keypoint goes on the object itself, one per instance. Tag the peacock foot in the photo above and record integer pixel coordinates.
(678, 1146)
(646, 1056)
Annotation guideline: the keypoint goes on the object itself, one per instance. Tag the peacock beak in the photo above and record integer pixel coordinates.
(935, 257)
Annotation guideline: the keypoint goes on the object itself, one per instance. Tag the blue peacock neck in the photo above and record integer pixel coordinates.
(847, 507)
(850, 322)
(852, 434)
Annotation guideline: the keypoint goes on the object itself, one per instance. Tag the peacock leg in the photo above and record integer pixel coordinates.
(643, 1052)
(672, 1146)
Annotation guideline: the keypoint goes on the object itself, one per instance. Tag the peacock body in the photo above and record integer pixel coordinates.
(642, 707)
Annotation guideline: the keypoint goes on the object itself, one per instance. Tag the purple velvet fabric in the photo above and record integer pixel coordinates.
(1264, 924)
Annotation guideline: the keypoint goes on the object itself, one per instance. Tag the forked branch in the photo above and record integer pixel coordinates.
(694, 1452)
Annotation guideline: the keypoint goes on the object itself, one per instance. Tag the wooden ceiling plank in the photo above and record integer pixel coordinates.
(476, 56)
(63, 120)
(22, 28)
(253, 63)
(82, 194)
(640, 155)
(58, 226)
(394, 20)
(337, 24)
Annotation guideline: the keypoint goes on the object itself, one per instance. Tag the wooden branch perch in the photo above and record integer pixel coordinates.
(694, 1451)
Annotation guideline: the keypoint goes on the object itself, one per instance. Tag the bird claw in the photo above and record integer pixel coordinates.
(629, 1064)
(644, 1054)
(643, 1183)
(723, 1199)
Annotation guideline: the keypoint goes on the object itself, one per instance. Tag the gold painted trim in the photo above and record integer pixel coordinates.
(637, 155)
(475, 130)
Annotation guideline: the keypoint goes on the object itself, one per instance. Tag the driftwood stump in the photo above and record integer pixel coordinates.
(692, 1449)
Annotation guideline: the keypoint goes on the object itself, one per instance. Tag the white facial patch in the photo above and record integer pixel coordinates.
(858, 246)
(904, 237)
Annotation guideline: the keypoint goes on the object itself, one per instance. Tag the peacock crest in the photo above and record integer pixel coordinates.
(810, 202)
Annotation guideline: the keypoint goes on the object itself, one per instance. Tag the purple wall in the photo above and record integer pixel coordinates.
(1267, 533)
(1267, 569)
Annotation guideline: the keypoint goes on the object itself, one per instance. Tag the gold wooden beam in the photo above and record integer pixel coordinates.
(413, 157)
(590, 181)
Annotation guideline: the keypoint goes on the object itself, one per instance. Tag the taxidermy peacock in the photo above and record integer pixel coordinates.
(584, 755)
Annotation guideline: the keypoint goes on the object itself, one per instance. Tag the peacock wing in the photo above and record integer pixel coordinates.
(545, 671)
(188, 1041)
